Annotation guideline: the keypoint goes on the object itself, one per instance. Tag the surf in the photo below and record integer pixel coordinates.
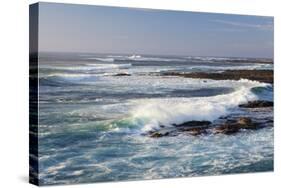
(150, 114)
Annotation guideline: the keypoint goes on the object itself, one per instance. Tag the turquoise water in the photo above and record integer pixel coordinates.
(92, 122)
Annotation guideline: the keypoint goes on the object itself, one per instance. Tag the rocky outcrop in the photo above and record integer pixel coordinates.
(257, 75)
(195, 128)
(122, 74)
(158, 134)
(257, 104)
(191, 127)
(230, 127)
(193, 124)
(226, 129)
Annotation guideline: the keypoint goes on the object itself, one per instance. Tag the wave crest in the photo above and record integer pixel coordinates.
(151, 113)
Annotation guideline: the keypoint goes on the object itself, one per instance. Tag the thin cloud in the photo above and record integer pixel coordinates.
(266, 26)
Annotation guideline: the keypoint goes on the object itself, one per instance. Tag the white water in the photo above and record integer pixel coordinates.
(141, 58)
(91, 66)
(101, 59)
(241, 67)
(166, 111)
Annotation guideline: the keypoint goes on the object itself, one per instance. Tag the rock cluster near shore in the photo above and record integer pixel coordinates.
(257, 75)
(122, 74)
(228, 126)
(257, 104)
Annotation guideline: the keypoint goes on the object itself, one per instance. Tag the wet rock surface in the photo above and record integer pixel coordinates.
(230, 126)
(122, 74)
(193, 127)
(245, 120)
(257, 104)
(193, 124)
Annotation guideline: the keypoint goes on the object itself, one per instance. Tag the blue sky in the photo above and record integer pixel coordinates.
(100, 29)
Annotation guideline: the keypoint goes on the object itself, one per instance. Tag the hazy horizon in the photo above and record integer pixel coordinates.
(131, 54)
(116, 30)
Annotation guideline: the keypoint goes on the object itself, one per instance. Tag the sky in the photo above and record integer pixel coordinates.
(101, 29)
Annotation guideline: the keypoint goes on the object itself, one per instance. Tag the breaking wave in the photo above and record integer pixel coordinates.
(151, 113)
(141, 58)
(101, 59)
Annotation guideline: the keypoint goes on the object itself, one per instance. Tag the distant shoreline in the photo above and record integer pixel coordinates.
(256, 75)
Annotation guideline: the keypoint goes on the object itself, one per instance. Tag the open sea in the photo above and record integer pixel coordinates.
(92, 121)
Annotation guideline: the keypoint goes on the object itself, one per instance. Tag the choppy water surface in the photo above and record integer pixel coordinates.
(92, 122)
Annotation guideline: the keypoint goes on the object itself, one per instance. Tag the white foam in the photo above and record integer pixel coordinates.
(141, 58)
(205, 58)
(240, 67)
(150, 113)
(56, 168)
(102, 59)
(107, 66)
(215, 58)
(92, 66)
(65, 75)
(134, 57)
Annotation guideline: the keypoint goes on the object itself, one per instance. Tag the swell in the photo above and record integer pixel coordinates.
(153, 113)
(149, 114)
(88, 67)
(144, 113)
(56, 80)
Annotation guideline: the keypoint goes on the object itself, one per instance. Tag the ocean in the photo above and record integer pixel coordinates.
(95, 111)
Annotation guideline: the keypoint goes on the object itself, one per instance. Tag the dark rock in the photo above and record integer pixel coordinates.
(155, 135)
(193, 124)
(257, 104)
(257, 75)
(227, 129)
(168, 131)
(223, 117)
(233, 126)
(122, 74)
(246, 123)
(270, 121)
(196, 131)
(193, 127)
(158, 134)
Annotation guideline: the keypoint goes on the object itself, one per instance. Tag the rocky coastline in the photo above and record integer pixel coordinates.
(224, 125)
(256, 75)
